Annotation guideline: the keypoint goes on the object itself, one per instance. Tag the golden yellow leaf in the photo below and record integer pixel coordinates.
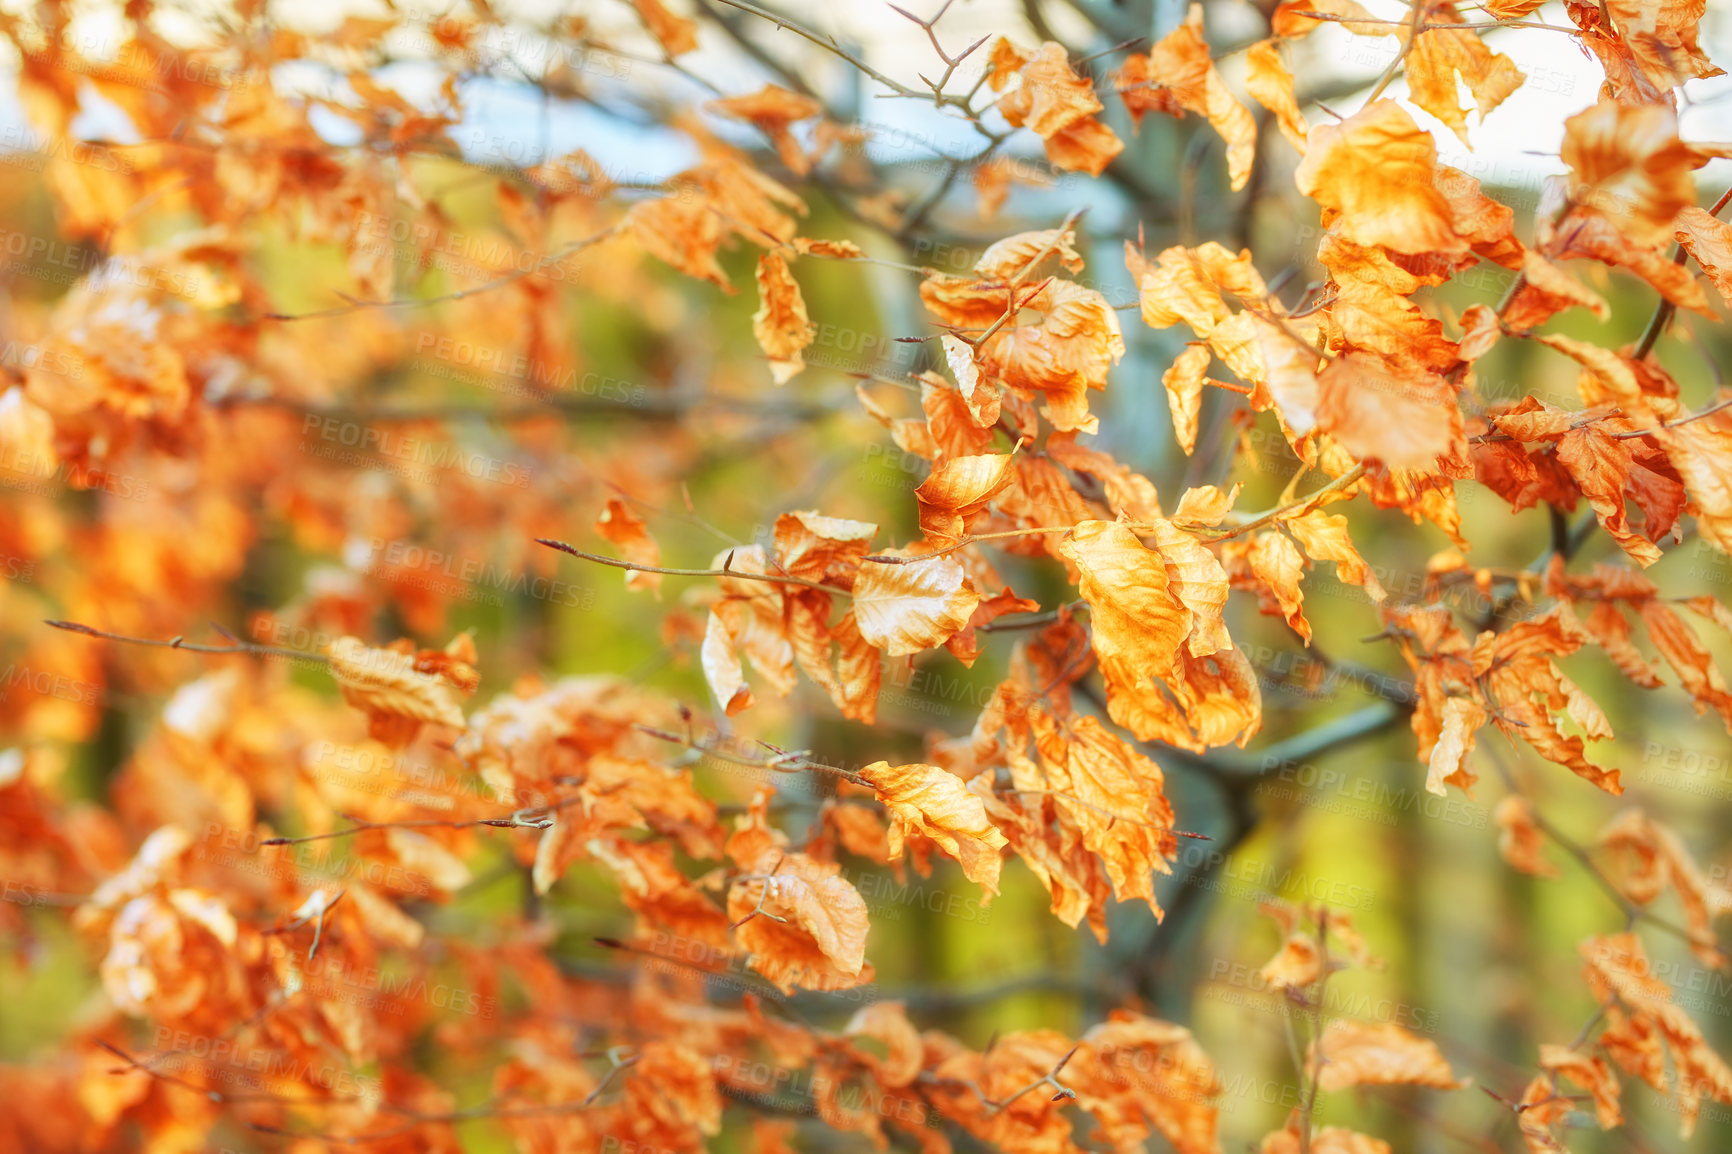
(959, 488)
(1279, 565)
(1271, 85)
(1434, 61)
(1324, 537)
(932, 802)
(1378, 169)
(1407, 420)
(1205, 505)
(1112, 796)
(1627, 162)
(781, 325)
(804, 924)
(1013, 257)
(1295, 965)
(628, 533)
(1184, 380)
(1178, 75)
(676, 34)
(908, 608)
(1060, 107)
(1709, 240)
(772, 109)
(1356, 1053)
(384, 684)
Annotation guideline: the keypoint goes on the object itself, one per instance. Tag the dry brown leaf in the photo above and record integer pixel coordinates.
(676, 34)
(1177, 75)
(1271, 85)
(1519, 838)
(781, 325)
(773, 109)
(1059, 106)
(912, 607)
(628, 533)
(929, 801)
(384, 684)
(1627, 162)
(1378, 1054)
(1378, 169)
(1709, 241)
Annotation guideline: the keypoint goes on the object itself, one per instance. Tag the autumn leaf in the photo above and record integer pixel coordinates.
(1112, 796)
(1627, 162)
(385, 685)
(1520, 840)
(772, 110)
(927, 801)
(1709, 241)
(804, 924)
(1324, 537)
(1271, 85)
(676, 34)
(1378, 169)
(1654, 858)
(781, 324)
(909, 607)
(1184, 384)
(1354, 1053)
(1142, 630)
(1439, 55)
(1060, 106)
(1279, 566)
(628, 533)
(1297, 964)
(682, 231)
(1406, 420)
(1325, 1140)
(1205, 505)
(1662, 40)
(957, 489)
(1177, 76)
(1590, 1073)
(1139, 1075)
(1644, 1026)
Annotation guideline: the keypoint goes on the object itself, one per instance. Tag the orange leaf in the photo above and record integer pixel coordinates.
(804, 924)
(676, 34)
(1710, 241)
(384, 684)
(781, 324)
(1271, 85)
(1407, 420)
(630, 535)
(1378, 169)
(1435, 59)
(771, 110)
(928, 801)
(1059, 106)
(908, 608)
(1378, 1054)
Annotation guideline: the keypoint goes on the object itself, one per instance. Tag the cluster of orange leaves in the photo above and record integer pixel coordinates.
(203, 941)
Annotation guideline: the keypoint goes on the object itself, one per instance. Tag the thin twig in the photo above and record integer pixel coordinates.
(238, 648)
(617, 563)
(1344, 481)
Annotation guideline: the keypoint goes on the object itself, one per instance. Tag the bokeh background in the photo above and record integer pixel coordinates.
(1479, 957)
